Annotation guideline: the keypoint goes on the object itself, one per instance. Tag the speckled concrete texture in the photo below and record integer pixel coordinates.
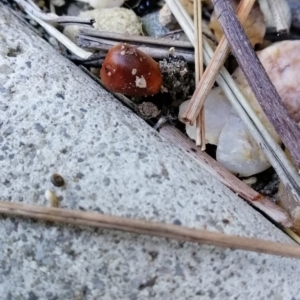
(53, 118)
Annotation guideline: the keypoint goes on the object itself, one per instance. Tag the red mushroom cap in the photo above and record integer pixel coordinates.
(131, 72)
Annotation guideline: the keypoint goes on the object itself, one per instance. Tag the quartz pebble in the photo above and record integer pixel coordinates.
(118, 19)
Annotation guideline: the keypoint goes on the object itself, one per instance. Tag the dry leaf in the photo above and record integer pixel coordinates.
(254, 26)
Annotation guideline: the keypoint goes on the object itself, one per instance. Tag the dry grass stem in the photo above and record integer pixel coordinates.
(96, 43)
(293, 235)
(33, 9)
(140, 40)
(62, 38)
(209, 77)
(200, 125)
(181, 233)
(278, 16)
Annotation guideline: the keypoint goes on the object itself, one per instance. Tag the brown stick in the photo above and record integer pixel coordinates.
(209, 77)
(149, 228)
(258, 79)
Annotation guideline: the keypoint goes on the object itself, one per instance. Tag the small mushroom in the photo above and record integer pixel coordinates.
(129, 71)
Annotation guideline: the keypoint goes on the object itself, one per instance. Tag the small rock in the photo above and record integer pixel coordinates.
(152, 26)
(119, 20)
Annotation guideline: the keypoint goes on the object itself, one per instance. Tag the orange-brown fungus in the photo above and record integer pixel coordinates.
(131, 72)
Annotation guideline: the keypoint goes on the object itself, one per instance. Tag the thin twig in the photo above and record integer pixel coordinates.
(292, 235)
(200, 124)
(53, 18)
(209, 77)
(278, 16)
(136, 226)
(62, 38)
(88, 32)
(259, 81)
(95, 43)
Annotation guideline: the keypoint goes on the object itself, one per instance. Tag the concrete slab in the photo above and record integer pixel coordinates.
(56, 119)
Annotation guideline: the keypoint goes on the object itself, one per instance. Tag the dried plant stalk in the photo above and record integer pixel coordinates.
(140, 40)
(200, 125)
(62, 38)
(209, 77)
(279, 19)
(153, 51)
(33, 9)
(180, 233)
(258, 79)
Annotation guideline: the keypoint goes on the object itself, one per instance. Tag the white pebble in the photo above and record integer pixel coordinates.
(52, 198)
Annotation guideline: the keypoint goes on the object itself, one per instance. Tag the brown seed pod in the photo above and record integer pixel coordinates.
(129, 71)
(57, 180)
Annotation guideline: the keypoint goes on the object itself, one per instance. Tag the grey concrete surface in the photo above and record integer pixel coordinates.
(53, 118)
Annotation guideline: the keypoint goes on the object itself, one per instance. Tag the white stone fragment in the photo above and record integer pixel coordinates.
(237, 151)
(217, 109)
(140, 82)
